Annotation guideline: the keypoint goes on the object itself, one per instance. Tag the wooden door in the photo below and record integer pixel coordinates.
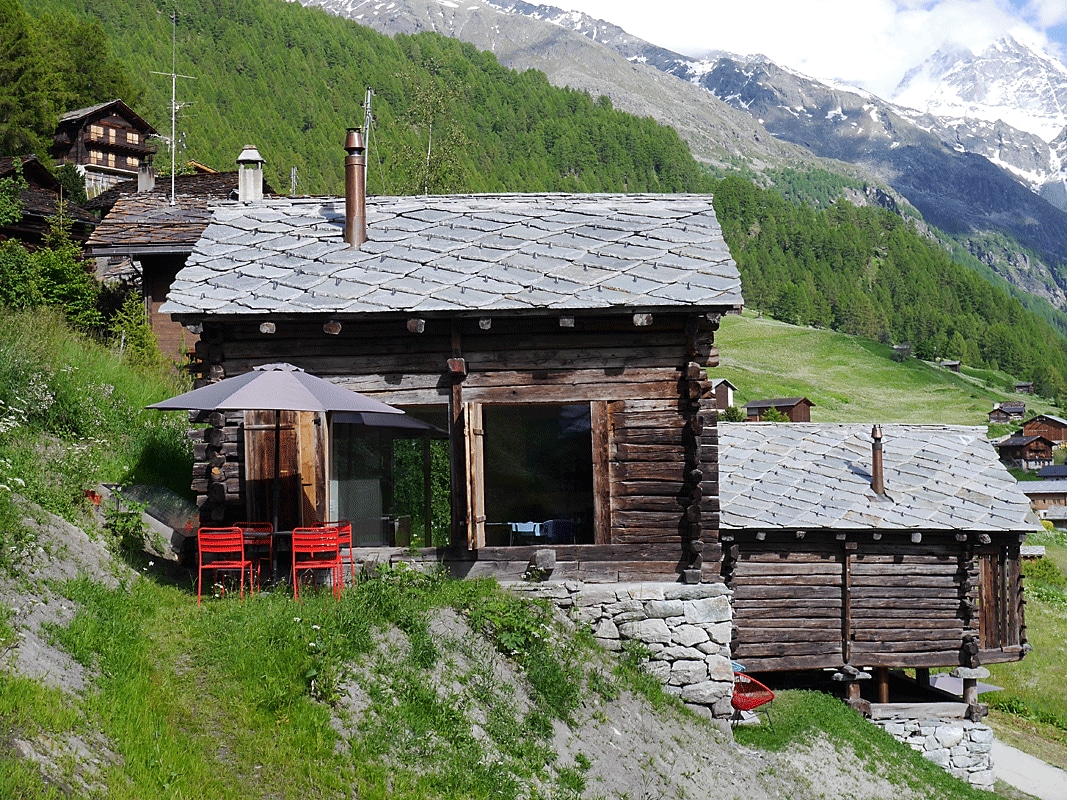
(296, 443)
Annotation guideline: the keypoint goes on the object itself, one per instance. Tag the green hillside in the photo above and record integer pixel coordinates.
(867, 272)
(291, 80)
(850, 379)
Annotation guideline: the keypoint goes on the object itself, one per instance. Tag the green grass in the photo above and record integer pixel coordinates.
(240, 699)
(73, 416)
(851, 379)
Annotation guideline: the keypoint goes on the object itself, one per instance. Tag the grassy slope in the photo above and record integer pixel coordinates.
(850, 379)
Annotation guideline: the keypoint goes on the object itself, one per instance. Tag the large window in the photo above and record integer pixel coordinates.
(538, 471)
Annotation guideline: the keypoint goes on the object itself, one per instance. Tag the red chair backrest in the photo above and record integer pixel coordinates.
(319, 542)
(220, 540)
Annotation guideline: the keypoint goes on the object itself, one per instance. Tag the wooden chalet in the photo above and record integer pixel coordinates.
(108, 143)
(151, 232)
(40, 203)
(1024, 387)
(1008, 411)
(797, 409)
(897, 551)
(561, 340)
(1052, 428)
(1026, 452)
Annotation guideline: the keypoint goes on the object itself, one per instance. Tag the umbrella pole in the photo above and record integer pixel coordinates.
(277, 466)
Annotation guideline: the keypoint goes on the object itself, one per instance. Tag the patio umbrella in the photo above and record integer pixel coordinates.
(282, 387)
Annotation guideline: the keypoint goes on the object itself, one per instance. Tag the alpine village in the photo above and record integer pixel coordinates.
(386, 413)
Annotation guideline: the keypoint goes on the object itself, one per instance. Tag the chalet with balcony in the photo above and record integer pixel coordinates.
(107, 142)
(1026, 452)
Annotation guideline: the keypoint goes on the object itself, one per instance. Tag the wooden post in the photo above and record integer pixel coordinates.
(882, 676)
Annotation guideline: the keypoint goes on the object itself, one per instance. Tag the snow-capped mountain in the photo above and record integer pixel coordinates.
(1006, 81)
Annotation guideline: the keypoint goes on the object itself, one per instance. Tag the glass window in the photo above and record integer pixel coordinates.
(538, 469)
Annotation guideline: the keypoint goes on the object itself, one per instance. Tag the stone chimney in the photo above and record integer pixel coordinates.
(355, 188)
(146, 176)
(250, 175)
(877, 475)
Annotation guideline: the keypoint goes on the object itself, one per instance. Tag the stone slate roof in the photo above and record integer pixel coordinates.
(148, 223)
(810, 476)
(137, 223)
(1055, 472)
(1021, 441)
(1043, 487)
(778, 402)
(477, 253)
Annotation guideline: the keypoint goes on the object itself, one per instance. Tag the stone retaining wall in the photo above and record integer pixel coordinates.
(959, 746)
(685, 630)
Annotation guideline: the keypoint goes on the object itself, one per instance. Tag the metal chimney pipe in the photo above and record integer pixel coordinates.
(877, 477)
(355, 188)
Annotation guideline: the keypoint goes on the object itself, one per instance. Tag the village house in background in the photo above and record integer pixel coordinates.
(1007, 411)
(147, 234)
(1026, 452)
(107, 142)
(40, 202)
(796, 409)
(1052, 428)
(1024, 387)
(724, 393)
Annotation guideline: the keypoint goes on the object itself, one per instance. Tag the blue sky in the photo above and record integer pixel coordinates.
(868, 43)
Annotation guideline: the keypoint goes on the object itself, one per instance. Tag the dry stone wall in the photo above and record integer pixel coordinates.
(958, 746)
(685, 630)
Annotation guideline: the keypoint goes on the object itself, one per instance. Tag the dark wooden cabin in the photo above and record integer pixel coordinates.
(562, 340)
(1026, 452)
(108, 142)
(829, 569)
(40, 203)
(1008, 411)
(797, 409)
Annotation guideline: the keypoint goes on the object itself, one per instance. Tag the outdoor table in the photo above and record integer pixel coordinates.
(282, 543)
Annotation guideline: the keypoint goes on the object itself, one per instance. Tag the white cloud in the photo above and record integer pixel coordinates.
(870, 43)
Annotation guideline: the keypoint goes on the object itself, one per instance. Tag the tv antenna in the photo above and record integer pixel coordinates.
(174, 106)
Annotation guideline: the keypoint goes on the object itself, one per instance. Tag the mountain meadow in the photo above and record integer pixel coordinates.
(413, 686)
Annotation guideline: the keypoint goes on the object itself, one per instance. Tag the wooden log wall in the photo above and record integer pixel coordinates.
(643, 375)
(812, 599)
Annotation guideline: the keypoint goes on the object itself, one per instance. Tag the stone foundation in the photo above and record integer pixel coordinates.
(959, 746)
(684, 629)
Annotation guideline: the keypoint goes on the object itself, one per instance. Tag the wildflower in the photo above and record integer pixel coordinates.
(316, 628)
(312, 644)
(296, 619)
(151, 563)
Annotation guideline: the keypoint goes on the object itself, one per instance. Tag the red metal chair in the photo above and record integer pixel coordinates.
(259, 549)
(317, 548)
(344, 531)
(226, 547)
(749, 695)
